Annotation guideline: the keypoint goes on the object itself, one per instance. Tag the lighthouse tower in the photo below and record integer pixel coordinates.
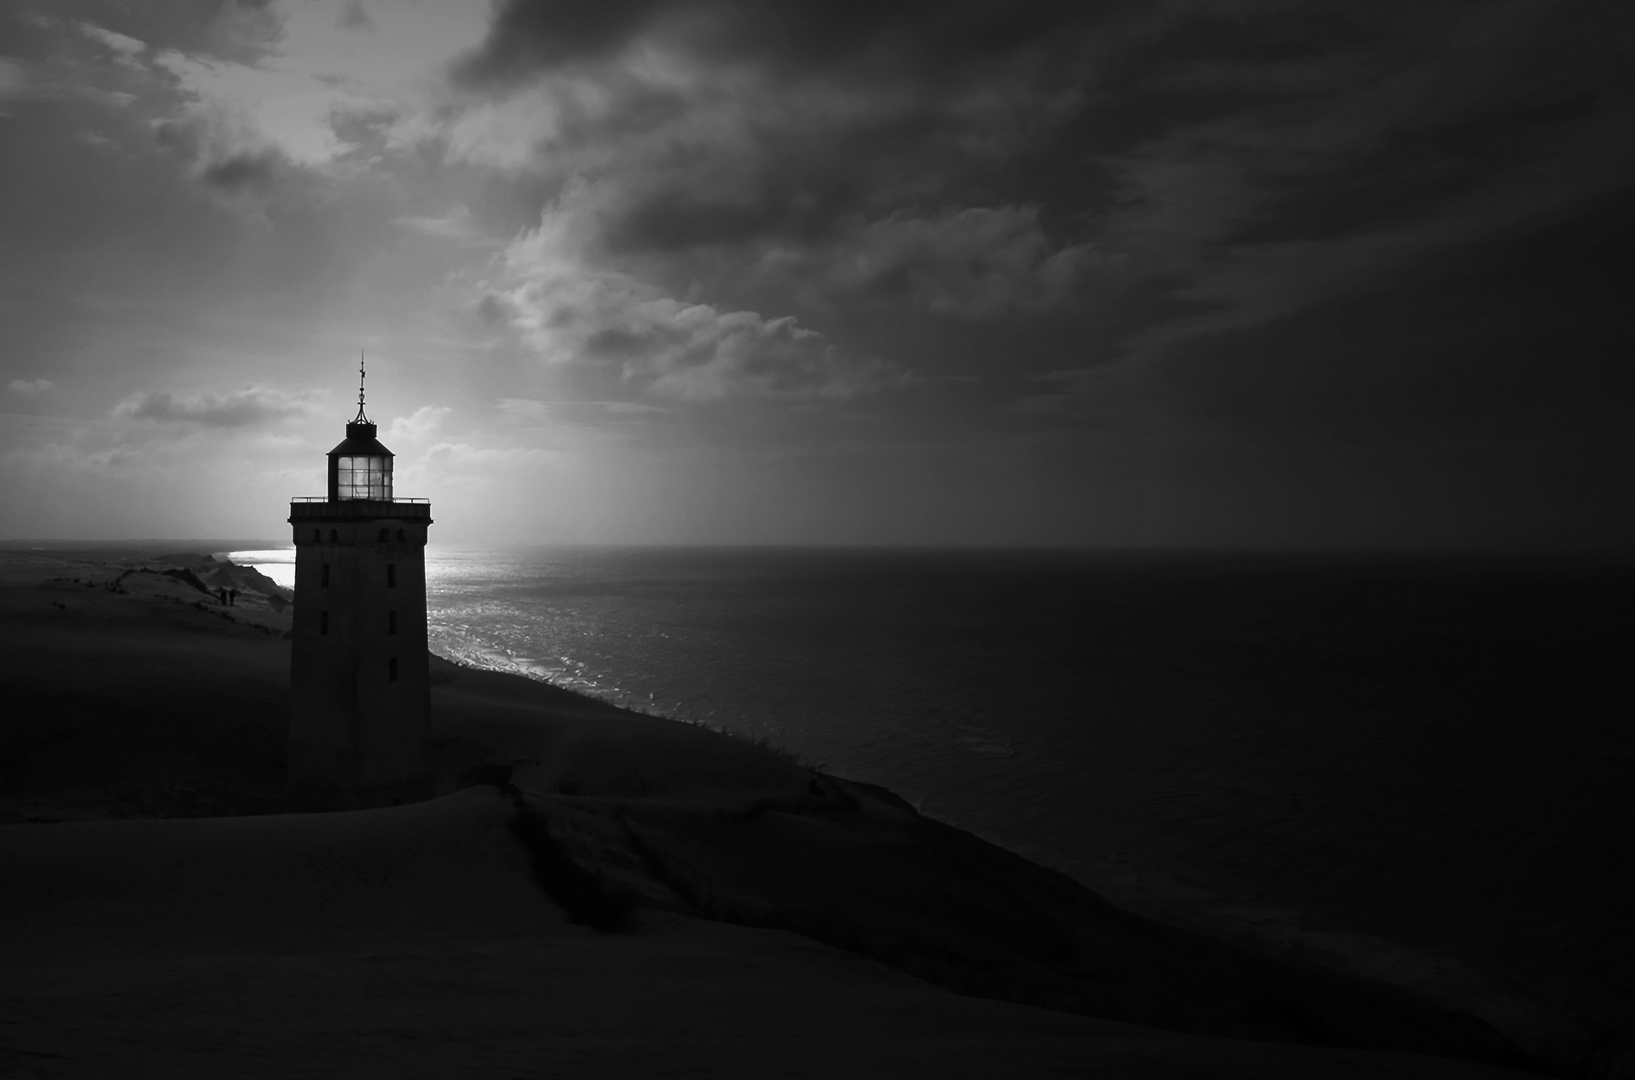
(360, 692)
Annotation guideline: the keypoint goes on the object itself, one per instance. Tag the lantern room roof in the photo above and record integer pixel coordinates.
(360, 441)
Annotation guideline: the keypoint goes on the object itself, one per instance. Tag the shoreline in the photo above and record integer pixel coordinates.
(495, 714)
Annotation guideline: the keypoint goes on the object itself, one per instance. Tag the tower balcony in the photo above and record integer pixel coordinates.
(319, 508)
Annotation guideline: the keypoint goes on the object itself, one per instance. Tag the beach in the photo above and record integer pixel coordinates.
(592, 892)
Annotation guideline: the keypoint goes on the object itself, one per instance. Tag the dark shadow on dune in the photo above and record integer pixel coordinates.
(583, 894)
(943, 906)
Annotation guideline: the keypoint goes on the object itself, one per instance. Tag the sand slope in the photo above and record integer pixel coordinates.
(418, 940)
(413, 942)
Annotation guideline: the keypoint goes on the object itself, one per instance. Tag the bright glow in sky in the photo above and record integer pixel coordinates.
(652, 271)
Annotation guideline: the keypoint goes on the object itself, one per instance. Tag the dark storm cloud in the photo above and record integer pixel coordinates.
(1407, 117)
(790, 117)
(1153, 135)
(624, 332)
(231, 166)
(1288, 224)
(529, 36)
(966, 264)
(355, 17)
(1521, 336)
(216, 154)
(1340, 248)
(798, 157)
(235, 30)
(525, 37)
(243, 173)
(367, 125)
(763, 159)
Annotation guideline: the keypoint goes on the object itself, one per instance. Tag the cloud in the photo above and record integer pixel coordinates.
(694, 352)
(355, 17)
(248, 171)
(1235, 285)
(269, 110)
(123, 46)
(14, 83)
(248, 407)
(282, 84)
(31, 387)
(59, 458)
(493, 311)
(527, 38)
(23, 80)
(463, 453)
(1462, 334)
(572, 310)
(419, 424)
(1395, 126)
(457, 223)
(969, 263)
(534, 411)
(526, 410)
(1319, 181)
(228, 160)
(724, 123)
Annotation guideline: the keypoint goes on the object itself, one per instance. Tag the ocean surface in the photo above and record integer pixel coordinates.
(1419, 766)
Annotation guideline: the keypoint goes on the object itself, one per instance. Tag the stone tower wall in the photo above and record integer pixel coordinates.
(357, 734)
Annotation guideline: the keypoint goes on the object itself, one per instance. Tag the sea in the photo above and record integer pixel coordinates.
(1411, 765)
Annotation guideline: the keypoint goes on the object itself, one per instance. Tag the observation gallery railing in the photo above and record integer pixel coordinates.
(314, 507)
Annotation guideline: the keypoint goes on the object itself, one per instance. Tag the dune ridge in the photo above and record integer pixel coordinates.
(769, 918)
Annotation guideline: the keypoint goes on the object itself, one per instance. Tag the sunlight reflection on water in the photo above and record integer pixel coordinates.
(276, 563)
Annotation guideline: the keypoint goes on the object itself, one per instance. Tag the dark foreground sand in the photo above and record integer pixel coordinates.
(159, 915)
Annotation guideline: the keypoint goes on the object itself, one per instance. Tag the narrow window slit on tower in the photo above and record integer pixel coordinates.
(391, 670)
(323, 622)
(391, 575)
(323, 579)
(331, 536)
(381, 539)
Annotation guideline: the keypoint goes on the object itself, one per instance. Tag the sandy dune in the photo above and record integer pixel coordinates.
(412, 941)
(171, 923)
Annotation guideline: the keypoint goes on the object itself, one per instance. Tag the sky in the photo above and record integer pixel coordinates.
(1212, 273)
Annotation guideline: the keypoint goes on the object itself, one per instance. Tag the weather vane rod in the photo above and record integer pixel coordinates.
(362, 419)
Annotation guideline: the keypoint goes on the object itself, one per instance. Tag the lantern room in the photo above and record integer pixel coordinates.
(360, 467)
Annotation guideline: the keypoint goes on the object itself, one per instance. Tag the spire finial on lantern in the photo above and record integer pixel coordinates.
(360, 419)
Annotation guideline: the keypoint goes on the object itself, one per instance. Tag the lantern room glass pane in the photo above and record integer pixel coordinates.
(363, 477)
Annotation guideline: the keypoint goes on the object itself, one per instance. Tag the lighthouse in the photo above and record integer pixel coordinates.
(360, 691)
